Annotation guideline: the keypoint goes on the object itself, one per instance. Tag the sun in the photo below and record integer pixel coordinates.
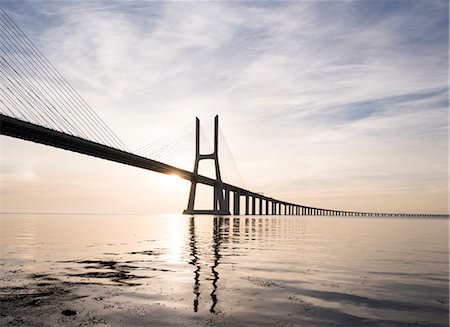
(174, 182)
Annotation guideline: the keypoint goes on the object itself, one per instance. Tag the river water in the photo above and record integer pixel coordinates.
(175, 270)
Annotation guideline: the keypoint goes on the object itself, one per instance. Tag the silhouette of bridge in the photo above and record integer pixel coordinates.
(255, 204)
(37, 104)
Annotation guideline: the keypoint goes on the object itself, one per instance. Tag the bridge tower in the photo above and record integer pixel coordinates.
(220, 206)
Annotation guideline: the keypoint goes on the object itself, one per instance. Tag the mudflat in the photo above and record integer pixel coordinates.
(214, 271)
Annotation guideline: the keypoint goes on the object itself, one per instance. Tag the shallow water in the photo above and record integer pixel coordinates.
(182, 270)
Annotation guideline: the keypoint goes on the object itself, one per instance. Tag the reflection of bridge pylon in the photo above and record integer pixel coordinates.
(220, 206)
(195, 262)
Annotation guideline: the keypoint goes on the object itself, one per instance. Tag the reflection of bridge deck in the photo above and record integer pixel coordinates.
(255, 204)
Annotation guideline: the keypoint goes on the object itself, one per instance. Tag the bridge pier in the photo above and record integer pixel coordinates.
(246, 204)
(253, 205)
(227, 199)
(236, 203)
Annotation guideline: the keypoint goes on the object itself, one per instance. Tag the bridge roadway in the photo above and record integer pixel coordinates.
(255, 203)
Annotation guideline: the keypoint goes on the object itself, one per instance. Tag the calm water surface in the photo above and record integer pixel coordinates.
(178, 270)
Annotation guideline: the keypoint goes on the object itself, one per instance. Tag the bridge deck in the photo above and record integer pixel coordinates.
(27, 131)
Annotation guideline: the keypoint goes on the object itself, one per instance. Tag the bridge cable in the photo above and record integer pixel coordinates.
(177, 145)
(14, 90)
(226, 154)
(37, 88)
(21, 37)
(32, 70)
(65, 90)
(14, 74)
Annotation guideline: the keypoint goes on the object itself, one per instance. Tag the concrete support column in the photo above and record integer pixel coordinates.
(227, 199)
(236, 203)
(247, 209)
(215, 204)
(253, 205)
(260, 206)
(267, 207)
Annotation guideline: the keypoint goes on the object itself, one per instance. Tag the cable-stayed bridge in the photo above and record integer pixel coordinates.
(37, 104)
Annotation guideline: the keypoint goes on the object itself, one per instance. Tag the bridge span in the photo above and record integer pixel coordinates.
(254, 203)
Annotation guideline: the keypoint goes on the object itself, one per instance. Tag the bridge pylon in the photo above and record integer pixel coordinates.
(220, 206)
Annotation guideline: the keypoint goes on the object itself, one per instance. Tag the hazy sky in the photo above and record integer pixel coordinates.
(337, 104)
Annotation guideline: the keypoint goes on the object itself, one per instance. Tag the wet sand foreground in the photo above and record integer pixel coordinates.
(205, 271)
